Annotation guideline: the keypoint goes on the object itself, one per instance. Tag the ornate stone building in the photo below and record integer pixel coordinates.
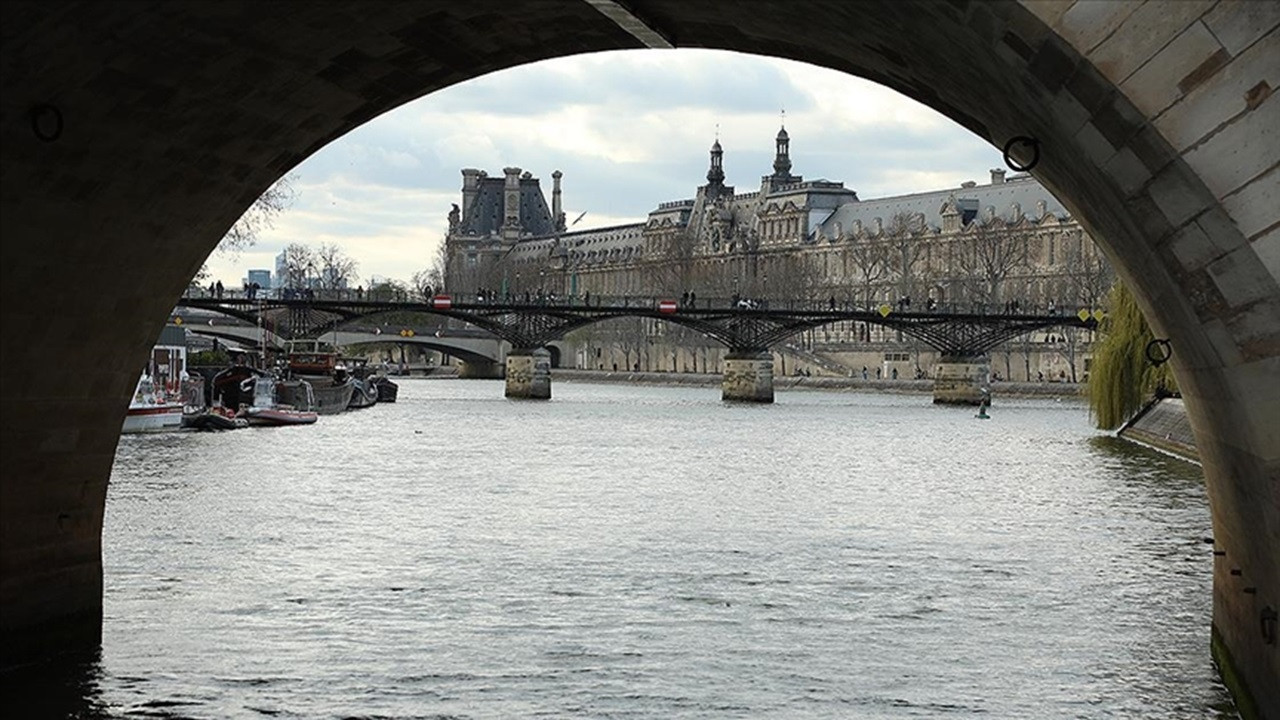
(997, 246)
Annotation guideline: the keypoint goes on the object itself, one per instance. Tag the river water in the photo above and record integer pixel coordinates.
(650, 552)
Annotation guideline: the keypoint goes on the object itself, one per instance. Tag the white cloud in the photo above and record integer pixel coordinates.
(629, 129)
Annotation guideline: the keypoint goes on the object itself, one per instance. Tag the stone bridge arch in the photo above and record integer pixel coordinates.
(134, 136)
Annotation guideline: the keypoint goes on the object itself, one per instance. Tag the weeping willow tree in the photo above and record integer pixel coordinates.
(1122, 378)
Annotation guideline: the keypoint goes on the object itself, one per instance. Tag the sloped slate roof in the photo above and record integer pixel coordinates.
(973, 200)
(485, 216)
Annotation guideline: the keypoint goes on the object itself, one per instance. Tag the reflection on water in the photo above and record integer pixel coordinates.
(66, 687)
(652, 552)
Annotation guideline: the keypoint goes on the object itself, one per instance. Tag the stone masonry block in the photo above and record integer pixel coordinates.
(1243, 150)
(1155, 86)
(1030, 27)
(1128, 171)
(1143, 34)
(1241, 278)
(1089, 87)
(1118, 121)
(1152, 149)
(1194, 248)
(1222, 96)
(1053, 63)
(1151, 220)
(1215, 332)
(1177, 192)
(1095, 146)
(1258, 380)
(1238, 23)
(1086, 24)
(1050, 12)
(1217, 224)
(1256, 330)
(1267, 248)
(1068, 113)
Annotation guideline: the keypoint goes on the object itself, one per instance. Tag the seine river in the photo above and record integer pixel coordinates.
(649, 552)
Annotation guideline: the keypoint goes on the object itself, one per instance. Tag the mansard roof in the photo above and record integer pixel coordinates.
(603, 239)
(486, 214)
(1023, 190)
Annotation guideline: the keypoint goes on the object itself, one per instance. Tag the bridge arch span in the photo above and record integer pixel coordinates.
(464, 353)
(1153, 120)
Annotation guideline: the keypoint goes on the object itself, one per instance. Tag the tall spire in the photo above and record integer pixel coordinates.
(715, 175)
(782, 159)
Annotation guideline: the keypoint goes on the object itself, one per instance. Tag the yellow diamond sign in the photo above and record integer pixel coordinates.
(885, 310)
(1083, 314)
(1098, 315)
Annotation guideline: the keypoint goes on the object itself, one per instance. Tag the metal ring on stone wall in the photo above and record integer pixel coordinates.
(1022, 140)
(1158, 352)
(45, 114)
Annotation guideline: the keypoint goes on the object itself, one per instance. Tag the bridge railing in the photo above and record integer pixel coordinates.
(685, 301)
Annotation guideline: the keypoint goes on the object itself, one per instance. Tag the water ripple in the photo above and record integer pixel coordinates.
(653, 553)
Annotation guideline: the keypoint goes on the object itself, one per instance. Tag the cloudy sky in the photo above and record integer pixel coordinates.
(629, 129)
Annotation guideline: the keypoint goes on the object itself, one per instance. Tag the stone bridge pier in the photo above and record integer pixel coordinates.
(748, 377)
(529, 374)
(962, 379)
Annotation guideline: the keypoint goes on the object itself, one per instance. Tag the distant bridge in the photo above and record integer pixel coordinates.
(468, 346)
(748, 329)
(743, 328)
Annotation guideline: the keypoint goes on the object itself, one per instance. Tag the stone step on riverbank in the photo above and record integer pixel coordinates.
(1163, 424)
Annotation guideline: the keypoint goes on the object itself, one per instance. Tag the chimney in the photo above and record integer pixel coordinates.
(997, 176)
(470, 188)
(511, 200)
(557, 215)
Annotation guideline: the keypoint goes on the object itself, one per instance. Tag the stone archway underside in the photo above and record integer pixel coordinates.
(134, 134)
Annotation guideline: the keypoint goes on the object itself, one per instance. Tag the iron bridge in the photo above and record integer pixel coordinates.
(743, 329)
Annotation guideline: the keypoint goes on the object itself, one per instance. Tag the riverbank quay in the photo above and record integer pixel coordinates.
(826, 382)
(1163, 424)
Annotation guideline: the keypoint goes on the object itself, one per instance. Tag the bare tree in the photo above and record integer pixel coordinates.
(1090, 276)
(987, 254)
(871, 259)
(671, 270)
(299, 266)
(426, 283)
(906, 249)
(261, 215)
(335, 269)
(789, 277)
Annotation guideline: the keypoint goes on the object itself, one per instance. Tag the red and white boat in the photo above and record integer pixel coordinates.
(265, 411)
(151, 410)
(159, 398)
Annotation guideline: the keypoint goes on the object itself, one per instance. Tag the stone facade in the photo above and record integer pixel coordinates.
(1000, 246)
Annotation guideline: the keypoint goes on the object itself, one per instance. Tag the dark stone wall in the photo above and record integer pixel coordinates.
(133, 134)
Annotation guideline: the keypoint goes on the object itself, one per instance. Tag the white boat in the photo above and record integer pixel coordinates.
(159, 399)
(151, 410)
